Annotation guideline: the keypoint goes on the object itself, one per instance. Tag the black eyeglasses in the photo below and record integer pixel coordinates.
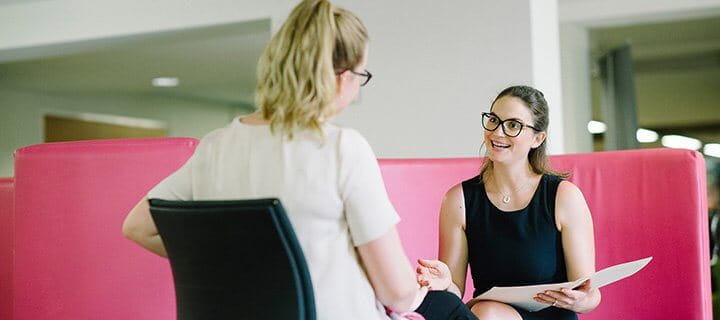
(510, 127)
(367, 75)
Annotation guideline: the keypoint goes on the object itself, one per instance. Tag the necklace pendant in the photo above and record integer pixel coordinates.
(506, 199)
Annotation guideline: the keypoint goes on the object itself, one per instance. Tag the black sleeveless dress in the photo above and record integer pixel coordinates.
(515, 248)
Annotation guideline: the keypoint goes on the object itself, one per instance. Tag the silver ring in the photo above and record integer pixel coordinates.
(554, 303)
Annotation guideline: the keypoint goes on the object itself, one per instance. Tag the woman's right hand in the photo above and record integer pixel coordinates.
(434, 274)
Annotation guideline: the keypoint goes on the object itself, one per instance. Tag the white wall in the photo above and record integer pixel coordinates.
(22, 120)
(436, 67)
(576, 72)
(545, 39)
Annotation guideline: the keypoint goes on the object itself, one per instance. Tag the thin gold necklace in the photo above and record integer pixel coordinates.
(506, 196)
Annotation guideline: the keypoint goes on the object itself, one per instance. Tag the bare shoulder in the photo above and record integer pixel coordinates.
(570, 205)
(453, 205)
(568, 191)
(455, 195)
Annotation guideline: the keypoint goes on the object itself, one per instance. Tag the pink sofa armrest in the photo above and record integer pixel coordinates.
(7, 215)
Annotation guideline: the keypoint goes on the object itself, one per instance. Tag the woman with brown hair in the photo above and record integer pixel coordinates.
(517, 222)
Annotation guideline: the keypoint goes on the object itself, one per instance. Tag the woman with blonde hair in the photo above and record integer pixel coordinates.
(326, 176)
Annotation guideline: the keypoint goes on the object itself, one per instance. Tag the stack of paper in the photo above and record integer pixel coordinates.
(522, 297)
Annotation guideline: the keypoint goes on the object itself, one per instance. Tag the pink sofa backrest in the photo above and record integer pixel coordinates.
(644, 203)
(7, 203)
(71, 260)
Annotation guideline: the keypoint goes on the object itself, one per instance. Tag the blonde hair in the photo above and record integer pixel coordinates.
(297, 71)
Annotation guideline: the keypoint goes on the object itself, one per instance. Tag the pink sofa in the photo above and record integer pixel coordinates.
(644, 203)
(71, 261)
(7, 204)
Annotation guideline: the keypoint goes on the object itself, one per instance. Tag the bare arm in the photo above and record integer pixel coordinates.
(576, 228)
(453, 243)
(390, 273)
(140, 228)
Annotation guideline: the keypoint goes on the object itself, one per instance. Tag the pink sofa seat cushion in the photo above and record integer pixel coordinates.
(71, 259)
(644, 203)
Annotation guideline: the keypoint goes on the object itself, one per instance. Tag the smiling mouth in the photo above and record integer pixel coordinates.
(499, 145)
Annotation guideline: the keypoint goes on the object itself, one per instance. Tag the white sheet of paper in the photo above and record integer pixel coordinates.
(522, 296)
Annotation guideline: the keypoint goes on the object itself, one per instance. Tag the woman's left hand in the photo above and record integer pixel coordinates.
(571, 299)
(434, 274)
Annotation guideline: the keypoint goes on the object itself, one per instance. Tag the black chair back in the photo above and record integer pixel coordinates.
(235, 259)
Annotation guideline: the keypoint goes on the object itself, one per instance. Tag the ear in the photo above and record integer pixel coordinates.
(539, 139)
(340, 81)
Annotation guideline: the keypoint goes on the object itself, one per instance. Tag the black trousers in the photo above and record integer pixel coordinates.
(443, 305)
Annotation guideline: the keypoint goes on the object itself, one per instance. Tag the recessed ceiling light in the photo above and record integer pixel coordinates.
(681, 142)
(712, 149)
(646, 136)
(165, 82)
(596, 127)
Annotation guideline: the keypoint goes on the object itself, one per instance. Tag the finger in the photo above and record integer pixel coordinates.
(428, 263)
(423, 281)
(559, 296)
(543, 298)
(572, 294)
(560, 304)
(546, 298)
(432, 266)
(549, 300)
(423, 270)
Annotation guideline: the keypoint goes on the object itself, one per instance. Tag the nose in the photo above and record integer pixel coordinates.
(499, 132)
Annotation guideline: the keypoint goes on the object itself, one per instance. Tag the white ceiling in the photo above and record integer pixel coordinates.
(677, 74)
(662, 40)
(215, 65)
